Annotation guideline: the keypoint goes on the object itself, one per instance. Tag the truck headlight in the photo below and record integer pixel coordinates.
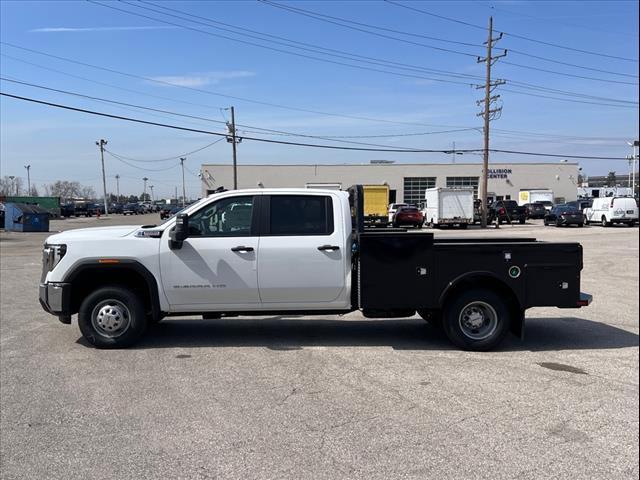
(51, 256)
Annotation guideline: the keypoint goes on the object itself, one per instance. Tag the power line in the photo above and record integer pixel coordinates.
(288, 52)
(243, 99)
(176, 157)
(104, 100)
(522, 37)
(327, 18)
(323, 17)
(313, 48)
(246, 42)
(568, 99)
(264, 140)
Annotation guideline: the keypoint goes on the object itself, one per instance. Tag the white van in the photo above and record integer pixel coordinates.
(610, 210)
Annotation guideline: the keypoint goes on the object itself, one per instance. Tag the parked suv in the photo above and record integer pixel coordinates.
(507, 211)
(535, 210)
(610, 210)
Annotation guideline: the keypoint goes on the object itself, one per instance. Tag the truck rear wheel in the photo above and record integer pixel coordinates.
(476, 319)
(112, 317)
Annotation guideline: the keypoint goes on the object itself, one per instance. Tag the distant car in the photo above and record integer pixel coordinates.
(67, 210)
(581, 204)
(610, 210)
(564, 215)
(165, 211)
(393, 208)
(408, 215)
(535, 210)
(131, 209)
(95, 209)
(116, 208)
(547, 204)
(506, 211)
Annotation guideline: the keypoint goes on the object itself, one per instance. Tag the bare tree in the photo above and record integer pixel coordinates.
(87, 192)
(64, 189)
(10, 186)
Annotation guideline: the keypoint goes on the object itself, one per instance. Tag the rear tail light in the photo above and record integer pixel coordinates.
(502, 211)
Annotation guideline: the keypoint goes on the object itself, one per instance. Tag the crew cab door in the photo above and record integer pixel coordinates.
(217, 264)
(303, 260)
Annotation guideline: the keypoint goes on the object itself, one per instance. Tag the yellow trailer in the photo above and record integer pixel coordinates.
(376, 203)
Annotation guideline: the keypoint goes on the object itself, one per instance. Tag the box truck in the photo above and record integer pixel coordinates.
(448, 206)
(376, 200)
(535, 195)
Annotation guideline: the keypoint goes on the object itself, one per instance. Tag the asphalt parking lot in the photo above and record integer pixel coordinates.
(325, 397)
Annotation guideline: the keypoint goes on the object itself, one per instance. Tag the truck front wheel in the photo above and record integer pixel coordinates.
(476, 319)
(112, 317)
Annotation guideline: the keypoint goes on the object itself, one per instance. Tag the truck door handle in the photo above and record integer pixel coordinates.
(242, 248)
(329, 247)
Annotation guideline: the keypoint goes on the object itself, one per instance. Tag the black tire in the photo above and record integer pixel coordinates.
(604, 222)
(557, 223)
(580, 225)
(106, 311)
(462, 307)
(463, 226)
(521, 221)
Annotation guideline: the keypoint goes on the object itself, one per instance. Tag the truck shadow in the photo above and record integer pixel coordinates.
(287, 333)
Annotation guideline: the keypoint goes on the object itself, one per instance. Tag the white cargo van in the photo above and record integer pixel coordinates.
(448, 206)
(610, 210)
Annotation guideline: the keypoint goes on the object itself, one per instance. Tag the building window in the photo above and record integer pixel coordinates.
(464, 182)
(414, 188)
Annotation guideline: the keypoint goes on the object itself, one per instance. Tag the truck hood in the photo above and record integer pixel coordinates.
(95, 233)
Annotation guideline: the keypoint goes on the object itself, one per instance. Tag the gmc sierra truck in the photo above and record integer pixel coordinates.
(299, 251)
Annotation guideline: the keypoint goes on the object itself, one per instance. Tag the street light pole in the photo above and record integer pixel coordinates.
(101, 143)
(28, 167)
(117, 188)
(184, 193)
(144, 191)
(151, 187)
(11, 177)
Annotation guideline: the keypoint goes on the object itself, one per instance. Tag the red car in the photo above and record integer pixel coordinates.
(408, 215)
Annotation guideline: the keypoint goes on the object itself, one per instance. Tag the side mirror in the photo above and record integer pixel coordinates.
(180, 231)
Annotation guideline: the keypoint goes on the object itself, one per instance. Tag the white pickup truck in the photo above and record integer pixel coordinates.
(298, 251)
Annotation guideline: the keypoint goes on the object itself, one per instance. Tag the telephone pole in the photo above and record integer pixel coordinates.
(233, 139)
(28, 167)
(184, 193)
(488, 113)
(101, 143)
(144, 191)
(117, 188)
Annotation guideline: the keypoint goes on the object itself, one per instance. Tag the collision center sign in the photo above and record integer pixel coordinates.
(499, 172)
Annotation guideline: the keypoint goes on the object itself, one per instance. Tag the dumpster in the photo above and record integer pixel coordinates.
(20, 217)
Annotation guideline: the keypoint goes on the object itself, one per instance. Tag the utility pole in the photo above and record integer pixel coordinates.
(488, 113)
(28, 167)
(184, 194)
(176, 194)
(234, 140)
(151, 187)
(634, 145)
(101, 143)
(117, 187)
(144, 190)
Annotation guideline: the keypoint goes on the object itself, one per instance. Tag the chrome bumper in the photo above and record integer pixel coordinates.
(55, 298)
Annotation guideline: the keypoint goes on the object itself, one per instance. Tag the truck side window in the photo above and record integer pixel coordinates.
(229, 217)
(301, 215)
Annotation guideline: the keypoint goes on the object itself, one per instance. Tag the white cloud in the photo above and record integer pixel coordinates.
(202, 79)
(93, 29)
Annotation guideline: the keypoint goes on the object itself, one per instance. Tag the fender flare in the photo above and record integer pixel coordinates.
(122, 264)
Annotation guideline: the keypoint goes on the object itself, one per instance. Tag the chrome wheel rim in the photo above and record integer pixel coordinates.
(111, 318)
(478, 320)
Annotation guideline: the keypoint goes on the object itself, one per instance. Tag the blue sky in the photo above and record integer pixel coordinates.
(61, 144)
